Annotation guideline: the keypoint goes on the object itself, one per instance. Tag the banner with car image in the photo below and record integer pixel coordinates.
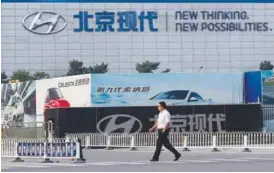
(173, 88)
(63, 92)
(18, 104)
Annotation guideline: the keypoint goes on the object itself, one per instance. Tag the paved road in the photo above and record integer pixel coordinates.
(123, 160)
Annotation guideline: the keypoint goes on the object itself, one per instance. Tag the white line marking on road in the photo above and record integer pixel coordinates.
(62, 164)
(119, 163)
(146, 162)
(164, 151)
(34, 164)
(199, 161)
(230, 160)
(25, 166)
(134, 163)
(117, 150)
(102, 164)
(260, 158)
(173, 162)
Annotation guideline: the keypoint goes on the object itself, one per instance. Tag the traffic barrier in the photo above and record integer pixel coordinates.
(186, 141)
(44, 149)
(230, 140)
(260, 140)
(90, 140)
(199, 140)
(8, 147)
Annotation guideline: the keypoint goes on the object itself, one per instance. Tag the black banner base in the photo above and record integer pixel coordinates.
(186, 149)
(246, 150)
(17, 159)
(109, 148)
(215, 150)
(133, 149)
(47, 160)
(88, 148)
(232, 117)
(78, 160)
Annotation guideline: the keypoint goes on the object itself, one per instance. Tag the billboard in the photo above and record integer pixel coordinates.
(18, 103)
(71, 91)
(253, 86)
(173, 88)
(268, 87)
(188, 118)
(182, 35)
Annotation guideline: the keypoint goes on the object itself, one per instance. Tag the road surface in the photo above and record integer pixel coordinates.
(123, 160)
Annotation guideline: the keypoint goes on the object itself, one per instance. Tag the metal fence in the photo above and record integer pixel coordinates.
(180, 140)
(186, 141)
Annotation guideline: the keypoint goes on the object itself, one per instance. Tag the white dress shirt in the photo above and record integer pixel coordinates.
(163, 118)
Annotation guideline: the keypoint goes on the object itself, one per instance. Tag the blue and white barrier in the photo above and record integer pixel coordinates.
(44, 149)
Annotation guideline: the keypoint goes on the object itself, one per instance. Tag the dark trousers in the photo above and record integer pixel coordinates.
(163, 140)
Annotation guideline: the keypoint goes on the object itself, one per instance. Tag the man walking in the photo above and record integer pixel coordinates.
(162, 125)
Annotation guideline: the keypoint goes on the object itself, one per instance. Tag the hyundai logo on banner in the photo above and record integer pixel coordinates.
(119, 123)
(44, 22)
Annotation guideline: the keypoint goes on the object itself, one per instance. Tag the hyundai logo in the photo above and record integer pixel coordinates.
(119, 123)
(44, 22)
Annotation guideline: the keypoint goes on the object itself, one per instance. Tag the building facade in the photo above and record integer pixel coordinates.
(185, 36)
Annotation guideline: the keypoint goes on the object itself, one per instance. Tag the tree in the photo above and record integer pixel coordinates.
(76, 67)
(166, 70)
(102, 68)
(266, 65)
(4, 77)
(40, 75)
(22, 75)
(147, 67)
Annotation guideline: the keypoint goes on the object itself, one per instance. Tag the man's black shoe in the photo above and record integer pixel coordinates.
(177, 157)
(154, 160)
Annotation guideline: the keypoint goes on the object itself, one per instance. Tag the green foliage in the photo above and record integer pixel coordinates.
(266, 65)
(76, 67)
(147, 67)
(102, 68)
(40, 75)
(166, 70)
(22, 75)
